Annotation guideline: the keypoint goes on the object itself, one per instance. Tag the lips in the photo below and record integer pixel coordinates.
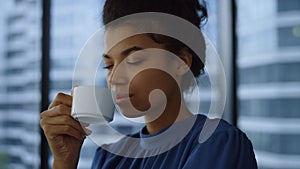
(121, 98)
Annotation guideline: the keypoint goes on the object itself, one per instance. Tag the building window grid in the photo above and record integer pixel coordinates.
(257, 42)
(268, 35)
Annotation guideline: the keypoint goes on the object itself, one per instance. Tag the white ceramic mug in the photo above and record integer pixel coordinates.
(93, 105)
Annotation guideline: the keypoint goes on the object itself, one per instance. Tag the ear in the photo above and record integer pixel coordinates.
(187, 59)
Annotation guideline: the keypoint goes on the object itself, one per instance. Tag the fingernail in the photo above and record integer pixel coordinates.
(84, 124)
(87, 131)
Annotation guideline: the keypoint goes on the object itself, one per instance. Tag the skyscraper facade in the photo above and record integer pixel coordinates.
(19, 86)
(20, 73)
(269, 79)
(73, 22)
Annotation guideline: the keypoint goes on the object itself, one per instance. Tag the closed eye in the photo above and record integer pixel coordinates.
(134, 61)
(108, 67)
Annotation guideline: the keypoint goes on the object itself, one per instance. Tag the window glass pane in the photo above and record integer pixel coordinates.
(270, 107)
(269, 81)
(211, 30)
(71, 26)
(20, 55)
(288, 5)
(261, 141)
(289, 36)
(273, 73)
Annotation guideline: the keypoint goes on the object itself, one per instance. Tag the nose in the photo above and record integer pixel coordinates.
(118, 76)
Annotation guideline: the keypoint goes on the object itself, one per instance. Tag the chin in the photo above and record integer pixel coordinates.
(129, 113)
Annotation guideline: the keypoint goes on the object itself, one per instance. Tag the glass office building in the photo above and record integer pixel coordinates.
(269, 79)
(268, 34)
(70, 29)
(20, 84)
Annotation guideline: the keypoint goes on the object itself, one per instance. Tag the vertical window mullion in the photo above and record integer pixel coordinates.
(45, 68)
(234, 102)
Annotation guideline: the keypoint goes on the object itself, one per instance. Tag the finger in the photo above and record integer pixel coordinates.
(52, 131)
(87, 131)
(58, 116)
(63, 120)
(72, 91)
(84, 124)
(58, 110)
(61, 98)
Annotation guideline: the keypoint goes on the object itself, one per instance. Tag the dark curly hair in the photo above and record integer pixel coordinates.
(190, 10)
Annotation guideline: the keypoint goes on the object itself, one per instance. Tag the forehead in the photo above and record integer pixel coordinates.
(117, 40)
(115, 34)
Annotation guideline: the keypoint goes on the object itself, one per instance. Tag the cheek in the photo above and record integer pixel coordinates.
(146, 81)
(108, 79)
(139, 86)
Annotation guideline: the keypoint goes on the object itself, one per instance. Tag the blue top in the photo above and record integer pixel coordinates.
(227, 148)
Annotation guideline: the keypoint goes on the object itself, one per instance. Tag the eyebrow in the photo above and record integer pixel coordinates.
(129, 50)
(125, 52)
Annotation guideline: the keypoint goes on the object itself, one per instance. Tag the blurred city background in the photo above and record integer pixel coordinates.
(260, 49)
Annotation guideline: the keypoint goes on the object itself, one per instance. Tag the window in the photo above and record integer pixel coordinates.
(270, 73)
(289, 36)
(69, 32)
(19, 87)
(281, 143)
(288, 5)
(268, 80)
(270, 107)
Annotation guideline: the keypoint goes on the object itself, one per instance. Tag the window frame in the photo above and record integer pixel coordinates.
(231, 109)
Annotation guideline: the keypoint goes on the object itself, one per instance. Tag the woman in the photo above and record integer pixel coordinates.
(228, 147)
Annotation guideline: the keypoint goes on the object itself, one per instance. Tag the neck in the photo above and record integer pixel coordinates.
(170, 115)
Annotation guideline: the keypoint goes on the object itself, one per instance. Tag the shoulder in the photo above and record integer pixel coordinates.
(224, 142)
(99, 158)
(216, 130)
(217, 135)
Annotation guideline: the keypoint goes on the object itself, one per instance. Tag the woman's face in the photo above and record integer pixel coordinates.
(135, 69)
